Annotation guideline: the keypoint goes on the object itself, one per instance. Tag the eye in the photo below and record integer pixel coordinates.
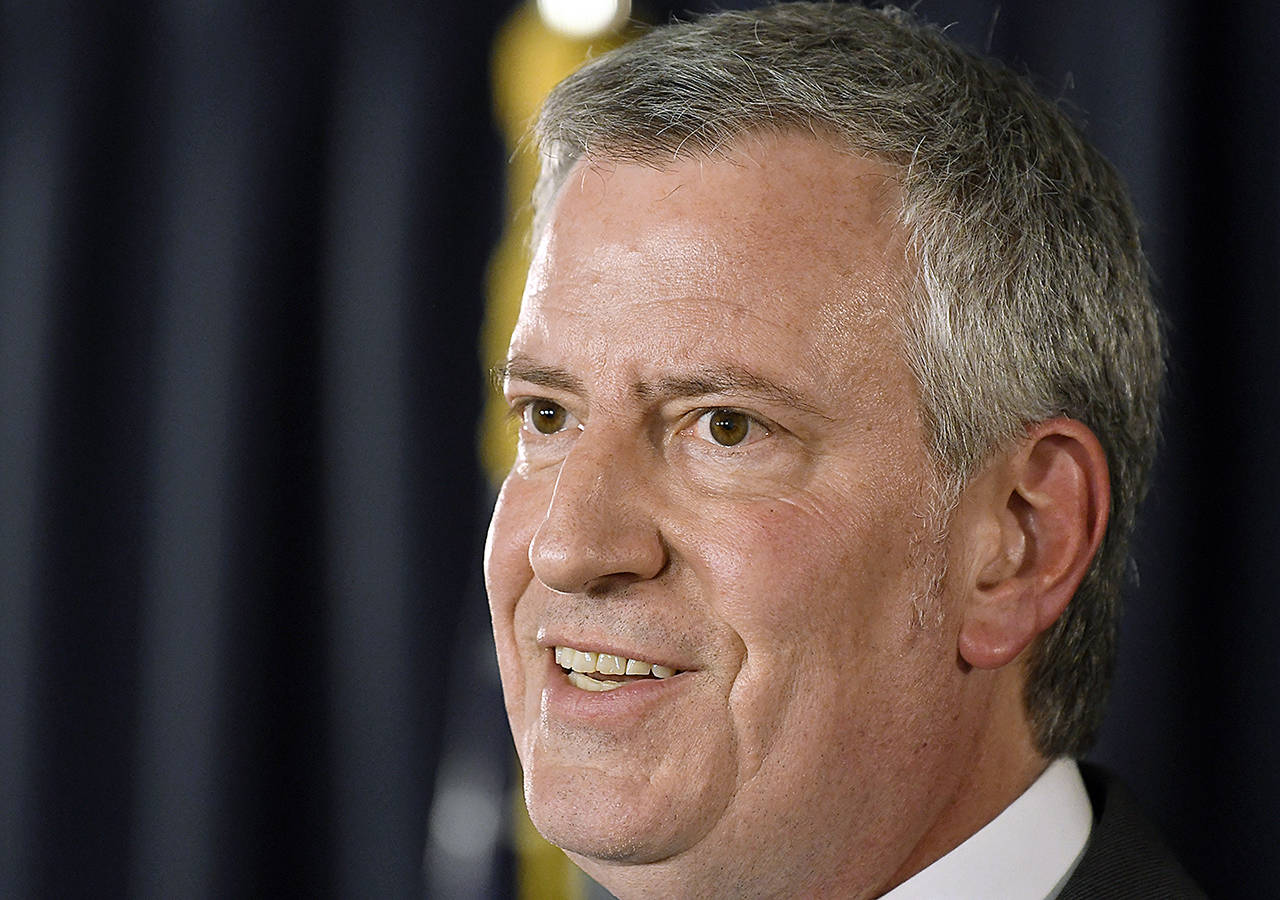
(728, 427)
(544, 416)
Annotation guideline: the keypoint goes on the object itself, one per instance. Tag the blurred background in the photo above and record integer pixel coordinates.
(254, 261)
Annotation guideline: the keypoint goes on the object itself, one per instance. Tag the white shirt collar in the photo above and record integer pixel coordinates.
(1026, 853)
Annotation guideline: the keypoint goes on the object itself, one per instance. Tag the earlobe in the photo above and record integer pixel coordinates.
(1037, 514)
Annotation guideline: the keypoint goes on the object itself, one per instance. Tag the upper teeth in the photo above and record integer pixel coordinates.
(586, 662)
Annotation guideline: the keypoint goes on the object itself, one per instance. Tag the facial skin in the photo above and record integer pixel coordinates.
(824, 732)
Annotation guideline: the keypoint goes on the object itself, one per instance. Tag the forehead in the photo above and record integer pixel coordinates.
(783, 232)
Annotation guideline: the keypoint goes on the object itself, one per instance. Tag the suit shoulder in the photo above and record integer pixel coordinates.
(1126, 857)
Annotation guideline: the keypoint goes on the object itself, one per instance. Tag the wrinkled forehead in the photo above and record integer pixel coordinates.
(784, 226)
(561, 164)
(798, 193)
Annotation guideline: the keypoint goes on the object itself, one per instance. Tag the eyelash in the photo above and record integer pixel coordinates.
(754, 426)
(521, 410)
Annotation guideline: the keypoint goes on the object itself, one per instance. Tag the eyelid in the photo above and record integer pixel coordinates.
(517, 391)
(518, 410)
(756, 424)
(517, 404)
(518, 401)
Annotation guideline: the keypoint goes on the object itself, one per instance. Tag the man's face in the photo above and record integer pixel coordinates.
(722, 471)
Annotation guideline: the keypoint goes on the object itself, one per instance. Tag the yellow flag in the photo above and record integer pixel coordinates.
(528, 60)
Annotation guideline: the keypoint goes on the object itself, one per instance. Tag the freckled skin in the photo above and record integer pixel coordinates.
(822, 741)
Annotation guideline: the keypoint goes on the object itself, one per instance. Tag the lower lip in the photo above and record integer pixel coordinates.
(561, 700)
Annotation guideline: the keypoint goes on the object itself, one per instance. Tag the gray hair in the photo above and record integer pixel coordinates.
(1032, 299)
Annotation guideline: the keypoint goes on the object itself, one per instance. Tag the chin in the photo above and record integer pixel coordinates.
(612, 818)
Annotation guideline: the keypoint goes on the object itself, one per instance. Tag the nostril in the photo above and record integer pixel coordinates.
(599, 528)
(595, 551)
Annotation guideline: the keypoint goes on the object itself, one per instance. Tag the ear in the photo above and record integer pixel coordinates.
(1034, 519)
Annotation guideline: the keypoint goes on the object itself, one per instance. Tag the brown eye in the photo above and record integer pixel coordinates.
(546, 417)
(728, 427)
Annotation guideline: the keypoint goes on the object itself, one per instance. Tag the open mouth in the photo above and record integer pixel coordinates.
(593, 671)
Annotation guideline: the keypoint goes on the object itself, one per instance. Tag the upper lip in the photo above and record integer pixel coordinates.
(549, 641)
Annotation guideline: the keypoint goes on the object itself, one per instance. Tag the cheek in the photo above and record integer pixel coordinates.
(820, 598)
(507, 575)
(794, 567)
(507, 572)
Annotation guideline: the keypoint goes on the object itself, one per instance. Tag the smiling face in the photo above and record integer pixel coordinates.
(722, 472)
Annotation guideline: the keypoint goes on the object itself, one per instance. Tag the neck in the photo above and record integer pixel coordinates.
(1004, 764)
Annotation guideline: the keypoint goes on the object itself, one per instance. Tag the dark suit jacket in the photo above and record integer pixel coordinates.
(1125, 858)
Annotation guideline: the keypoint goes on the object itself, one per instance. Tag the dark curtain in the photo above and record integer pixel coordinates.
(241, 263)
(242, 248)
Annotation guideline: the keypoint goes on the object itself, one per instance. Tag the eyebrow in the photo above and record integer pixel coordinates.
(704, 381)
(522, 368)
(725, 380)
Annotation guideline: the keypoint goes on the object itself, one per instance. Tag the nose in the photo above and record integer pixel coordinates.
(599, 530)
